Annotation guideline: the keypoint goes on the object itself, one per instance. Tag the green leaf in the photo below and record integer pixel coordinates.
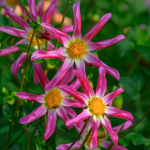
(52, 62)
(137, 138)
(39, 147)
(8, 111)
(124, 142)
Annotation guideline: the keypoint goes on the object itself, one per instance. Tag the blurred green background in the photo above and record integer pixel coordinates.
(131, 57)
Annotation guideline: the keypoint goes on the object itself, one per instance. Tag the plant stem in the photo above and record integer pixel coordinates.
(38, 42)
(28, 139)
(79, 134)
(85, 139)
(136, 124)
(64, 15)
(26, 10)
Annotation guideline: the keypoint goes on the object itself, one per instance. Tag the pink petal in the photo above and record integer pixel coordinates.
(67, 29)
(95, 126)
(40, 54)
(105, 144)
(107, 125)
(77, 20)
(50, 124)
(38, 112)
(72, 114)
(62, 51)
(110, 110)
(80, 65)
(36, 77)
(81, 97)
(71, 103)
(17, 64)
(49, 12)
(2, 3)
(66, 146)
(75, 85)
(8, 50)
(32, 7)
(50, 46)
(82, 116)
(13, 31)
(31, 97)
(23, 41)
(91, 58)
(109, 97)
(93, 31)
(60, 36)
(40, 8)
(102, 83)
(84, 83)
(125, 125)
(103, 44)
(41, 74)
(17, 19)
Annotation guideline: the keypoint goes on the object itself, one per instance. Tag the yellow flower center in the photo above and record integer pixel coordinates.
(89, 140)
(11, 2)
(96, 106)
(34, 41)
(53, 98)
(77, 49)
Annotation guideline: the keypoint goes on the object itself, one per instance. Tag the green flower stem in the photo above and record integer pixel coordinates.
(28, 139)
(64, 15)
(38, 43)
(26, 10)
(79, 134)
(136, 124)
(85, 139)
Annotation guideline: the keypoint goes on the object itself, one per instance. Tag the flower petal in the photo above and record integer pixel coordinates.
(50, 124)
(36, 77)
(107, 125)
(125, 125)
(102, 83)
(41, 74)
(75, 85)
(17, 64)
(77, 20)
(81, 97)
(82, 116)
(110, 110)
(40, 54)
(71, 103)
(14, 31)
(60, 36)
(97, 27)
(8, 50)
(91, 58)
(67, 29)
(80, 65)
(32, 7)
(84, 83)
(103, 44)
(17, 19)
(108, 99)
(40, 8)
(49, 12)
(31, 97)
(38, 112)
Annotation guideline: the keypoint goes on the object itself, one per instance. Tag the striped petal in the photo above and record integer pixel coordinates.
(80, 65)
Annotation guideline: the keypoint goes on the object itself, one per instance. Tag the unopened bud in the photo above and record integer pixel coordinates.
(101, 133)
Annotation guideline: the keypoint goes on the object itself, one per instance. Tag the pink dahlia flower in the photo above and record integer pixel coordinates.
(101, 143)
(54, 101)
(77, 49)
(96, 105)
(26, 34)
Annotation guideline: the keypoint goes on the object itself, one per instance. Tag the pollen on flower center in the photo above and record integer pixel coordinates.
(96, 106)
(34, 41)
(53, 98)
(11, 2)
(77, 50)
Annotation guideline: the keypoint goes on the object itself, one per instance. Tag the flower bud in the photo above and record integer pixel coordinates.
(118, 102)
(101, 133)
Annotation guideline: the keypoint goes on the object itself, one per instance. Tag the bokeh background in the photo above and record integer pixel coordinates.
(131, 57)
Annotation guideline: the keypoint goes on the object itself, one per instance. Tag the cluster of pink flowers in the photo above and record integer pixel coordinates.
(56, 99)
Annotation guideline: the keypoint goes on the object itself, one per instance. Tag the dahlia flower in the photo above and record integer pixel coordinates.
(26, 34)
(77, 49)
(54, 101)
(101, 143)
(96, 105)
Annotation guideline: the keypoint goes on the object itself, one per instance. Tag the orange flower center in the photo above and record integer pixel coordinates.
(35, 39)
(96, 106)
(77, 49)
(53, 98)
(11, 2)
